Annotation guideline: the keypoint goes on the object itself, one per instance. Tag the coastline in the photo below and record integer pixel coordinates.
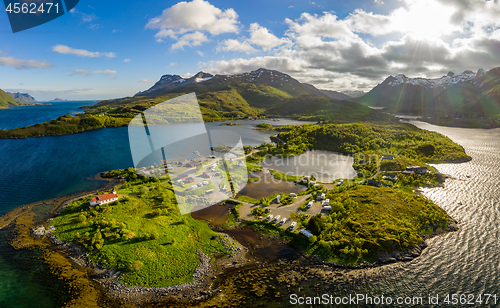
(203, 287)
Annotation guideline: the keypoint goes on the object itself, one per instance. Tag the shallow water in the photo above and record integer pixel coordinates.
(326, 166)
(267, 185)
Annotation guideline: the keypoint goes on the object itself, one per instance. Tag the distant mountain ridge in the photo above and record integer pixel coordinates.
(425, 96)
(209, 82)
(261, 92)
(168, 82)
(22, 97)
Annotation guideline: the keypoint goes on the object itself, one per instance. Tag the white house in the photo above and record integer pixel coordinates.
(105, 198)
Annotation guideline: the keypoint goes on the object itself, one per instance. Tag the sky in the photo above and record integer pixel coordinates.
(111, 49)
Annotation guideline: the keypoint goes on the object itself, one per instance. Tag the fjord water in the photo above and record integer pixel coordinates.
(20, 116)
(36, 169)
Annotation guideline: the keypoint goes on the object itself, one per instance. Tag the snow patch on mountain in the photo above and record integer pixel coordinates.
(444, 81)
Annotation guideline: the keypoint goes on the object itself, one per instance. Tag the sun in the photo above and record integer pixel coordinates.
(426, 19)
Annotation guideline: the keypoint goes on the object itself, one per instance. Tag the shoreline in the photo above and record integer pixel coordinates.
(203, 287)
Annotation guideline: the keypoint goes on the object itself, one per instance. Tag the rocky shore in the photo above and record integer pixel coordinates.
(199, 289)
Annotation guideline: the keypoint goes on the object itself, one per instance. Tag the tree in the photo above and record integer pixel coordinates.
(258, 211)
(315, 224)
(143, 190)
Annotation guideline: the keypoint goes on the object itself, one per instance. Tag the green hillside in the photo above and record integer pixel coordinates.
(6, 100)
(220, 98)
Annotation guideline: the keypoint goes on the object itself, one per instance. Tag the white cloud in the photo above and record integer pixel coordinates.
(191, 39)
(146, 80)
(172, 64)
(424, 38)
(63, 49)
(193, 18)
(262, 37)
(84, 17)
(187, 75)
(90, 73)
(200, 53)
(196, 15)
(235, 45)
(127, 60)
(23, 64)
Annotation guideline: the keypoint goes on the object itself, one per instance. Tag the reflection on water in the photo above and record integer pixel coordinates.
(326, 166)
(216, 214)
(267, 185)
(263, 248)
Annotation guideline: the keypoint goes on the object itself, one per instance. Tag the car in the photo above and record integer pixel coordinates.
(276, 219)
(269, 217)
(282, 221)
(340, 182)
(292, 226)
(309, 205)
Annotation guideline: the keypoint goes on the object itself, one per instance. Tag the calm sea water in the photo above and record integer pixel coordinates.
(20, 116)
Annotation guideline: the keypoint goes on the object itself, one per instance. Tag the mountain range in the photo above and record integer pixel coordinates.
(22, 97)
(261, 92)
(455, 95)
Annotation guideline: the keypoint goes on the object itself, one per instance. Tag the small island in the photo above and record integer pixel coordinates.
(230, 124)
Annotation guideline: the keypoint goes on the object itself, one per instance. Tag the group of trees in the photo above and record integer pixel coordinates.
(401, 139)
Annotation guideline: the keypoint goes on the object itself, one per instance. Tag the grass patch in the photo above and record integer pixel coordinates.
(143, 236)
(247, 199)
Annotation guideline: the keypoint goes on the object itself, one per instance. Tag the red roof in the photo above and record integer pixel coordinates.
(104, 197)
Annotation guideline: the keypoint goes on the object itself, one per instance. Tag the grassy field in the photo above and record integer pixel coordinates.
(143, 235)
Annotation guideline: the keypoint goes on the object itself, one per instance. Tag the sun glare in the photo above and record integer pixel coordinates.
(426, 19)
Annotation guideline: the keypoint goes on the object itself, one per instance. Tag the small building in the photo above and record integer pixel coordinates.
(321, 196)
(388, 157)
(374, 183)
(417, 169)
(305, 233)
(391, 177)
(105, 198)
